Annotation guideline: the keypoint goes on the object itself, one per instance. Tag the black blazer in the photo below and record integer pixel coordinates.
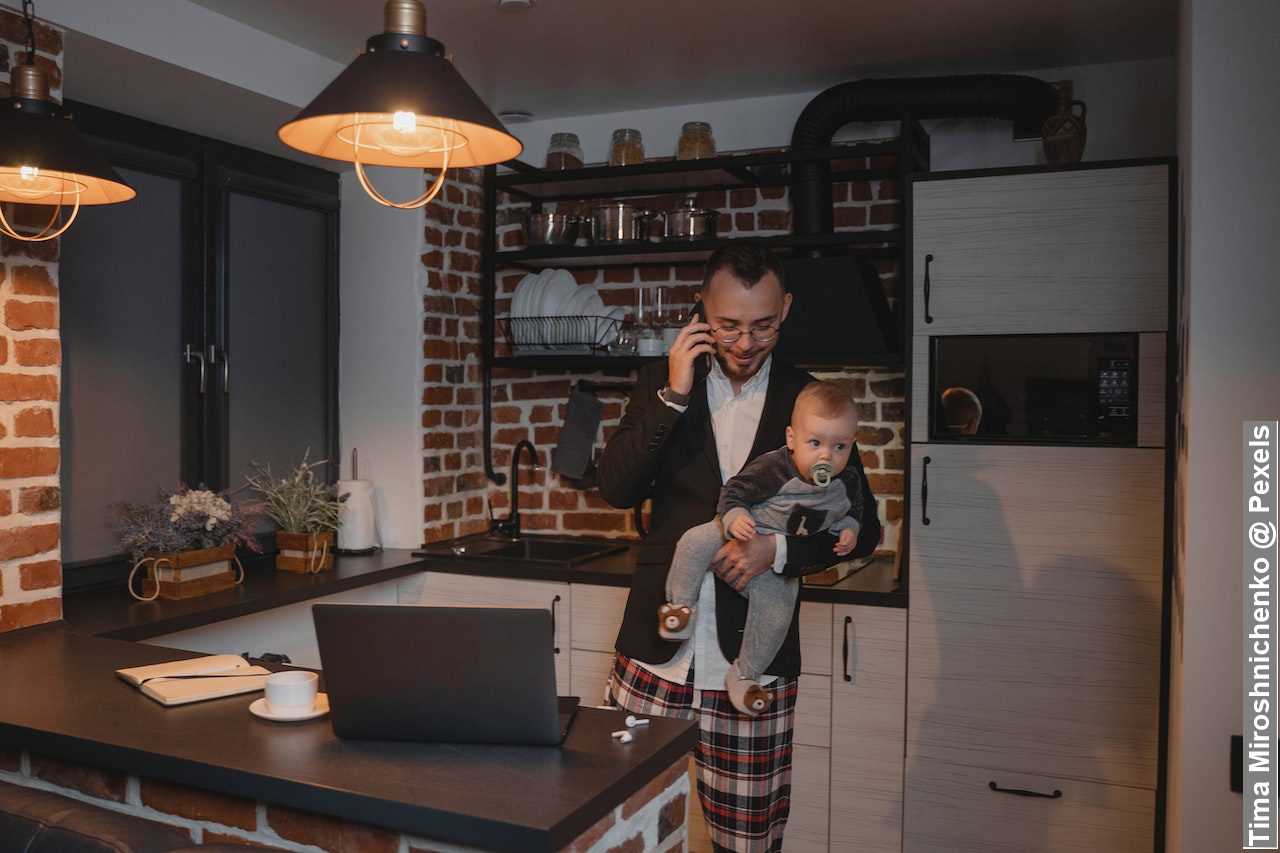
(675, 454)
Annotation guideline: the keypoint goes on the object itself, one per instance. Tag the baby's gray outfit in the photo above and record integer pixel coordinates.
(772, 491)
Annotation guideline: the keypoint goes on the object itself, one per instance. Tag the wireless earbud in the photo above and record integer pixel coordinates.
(633, 721)
(623, 736)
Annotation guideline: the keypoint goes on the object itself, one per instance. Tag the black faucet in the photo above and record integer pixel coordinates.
(511, 524)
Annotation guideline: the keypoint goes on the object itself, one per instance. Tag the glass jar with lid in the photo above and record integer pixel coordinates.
(565, 152)
(627, 148)
(696, 141)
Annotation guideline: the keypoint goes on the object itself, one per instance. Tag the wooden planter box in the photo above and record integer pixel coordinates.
(300, 552)
(187, 574)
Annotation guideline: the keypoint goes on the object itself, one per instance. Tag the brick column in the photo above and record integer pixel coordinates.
(30, 350)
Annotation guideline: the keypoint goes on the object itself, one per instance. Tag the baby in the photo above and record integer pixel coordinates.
(797, 490)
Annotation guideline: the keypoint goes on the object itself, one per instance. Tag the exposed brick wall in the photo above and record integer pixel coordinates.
(531, 404)
(30, 497)
(652, 819)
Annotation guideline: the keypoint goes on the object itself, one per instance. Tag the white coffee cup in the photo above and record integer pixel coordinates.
(292, 693)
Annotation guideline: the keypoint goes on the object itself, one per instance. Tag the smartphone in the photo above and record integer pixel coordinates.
(701, 365)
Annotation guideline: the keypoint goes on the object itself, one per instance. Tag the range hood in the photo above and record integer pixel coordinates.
(840, 315)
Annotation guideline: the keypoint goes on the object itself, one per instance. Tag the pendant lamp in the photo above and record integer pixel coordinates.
(401, 103)
(44, 160)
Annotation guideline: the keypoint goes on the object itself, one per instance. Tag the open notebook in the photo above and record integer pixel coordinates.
(182, 681)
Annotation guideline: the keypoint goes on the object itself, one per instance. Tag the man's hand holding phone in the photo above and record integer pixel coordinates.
(694, 340)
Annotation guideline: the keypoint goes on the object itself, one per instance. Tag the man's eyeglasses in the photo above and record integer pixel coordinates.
(760, 334)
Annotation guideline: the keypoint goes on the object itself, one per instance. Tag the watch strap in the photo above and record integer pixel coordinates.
(667, 395)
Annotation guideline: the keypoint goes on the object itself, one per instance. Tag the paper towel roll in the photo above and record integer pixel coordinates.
(358, 530)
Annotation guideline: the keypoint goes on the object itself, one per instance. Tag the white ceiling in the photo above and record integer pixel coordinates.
(236, 69)
(575, 57)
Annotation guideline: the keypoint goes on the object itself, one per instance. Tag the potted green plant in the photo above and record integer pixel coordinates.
(186, 541)
(307, 511)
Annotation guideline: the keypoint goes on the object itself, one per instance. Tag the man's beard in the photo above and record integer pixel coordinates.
(730, 366)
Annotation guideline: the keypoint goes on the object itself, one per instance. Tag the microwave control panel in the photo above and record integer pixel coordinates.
(1115, 387)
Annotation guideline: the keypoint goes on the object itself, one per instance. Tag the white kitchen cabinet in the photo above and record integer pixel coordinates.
(450, 590)
(287, 630)
(808, 824)
(953, 808)
(868, 686)
(597, 615)
(1082, 250)
(1035, 610)
(590, 672)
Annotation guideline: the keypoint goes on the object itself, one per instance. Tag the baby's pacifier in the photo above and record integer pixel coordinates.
(821, 472)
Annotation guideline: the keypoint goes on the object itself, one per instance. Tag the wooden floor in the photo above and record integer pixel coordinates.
(699, 841)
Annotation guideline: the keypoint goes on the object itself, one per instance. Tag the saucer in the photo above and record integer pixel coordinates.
(259, 709)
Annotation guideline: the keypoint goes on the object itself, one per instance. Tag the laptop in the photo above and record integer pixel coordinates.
(442, 674)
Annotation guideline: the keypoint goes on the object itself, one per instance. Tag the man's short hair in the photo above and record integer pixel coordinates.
(827, 399)
(747, 260)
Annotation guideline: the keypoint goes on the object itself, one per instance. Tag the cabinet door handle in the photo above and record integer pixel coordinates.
(844, 650)
(928, 259)
(554, 602)
(226, 368)
(924, 491)
(1022, 792)
(189, 355)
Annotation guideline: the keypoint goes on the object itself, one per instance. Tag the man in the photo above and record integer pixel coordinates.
(685, 431)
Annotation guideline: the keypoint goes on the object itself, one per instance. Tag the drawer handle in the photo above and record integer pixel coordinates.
(554, 602)
(1022, 792)
(924, 491)
(844, 666)
(928, 259)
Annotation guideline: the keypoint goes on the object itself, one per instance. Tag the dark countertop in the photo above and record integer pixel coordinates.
(59, 696)
(114, 613)
(872, 585)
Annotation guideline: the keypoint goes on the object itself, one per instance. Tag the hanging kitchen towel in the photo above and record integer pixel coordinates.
(358, 529)
(572, 454)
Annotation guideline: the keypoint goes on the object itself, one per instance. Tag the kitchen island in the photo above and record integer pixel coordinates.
(853, 638)
(62, 707)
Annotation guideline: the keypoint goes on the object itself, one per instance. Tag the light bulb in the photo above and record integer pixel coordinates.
(404, 122)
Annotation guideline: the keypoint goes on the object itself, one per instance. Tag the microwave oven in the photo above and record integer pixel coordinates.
(1048, 389)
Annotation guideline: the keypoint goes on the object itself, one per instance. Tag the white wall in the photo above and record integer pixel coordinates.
(379, 379)
(1131, 114)
(1231, 186)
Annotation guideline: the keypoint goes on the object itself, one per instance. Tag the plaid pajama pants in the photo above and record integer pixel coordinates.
(744, 763)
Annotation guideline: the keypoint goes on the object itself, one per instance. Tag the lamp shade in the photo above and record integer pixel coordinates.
(401, 103)
(44, 159)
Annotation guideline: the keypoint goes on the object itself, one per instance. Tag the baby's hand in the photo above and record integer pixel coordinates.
(743, 528)
(845, 543)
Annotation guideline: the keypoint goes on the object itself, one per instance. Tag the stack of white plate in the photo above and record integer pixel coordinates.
(551, 312)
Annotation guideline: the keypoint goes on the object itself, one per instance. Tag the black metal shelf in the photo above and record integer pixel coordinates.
(573, 362)
(736, 171)
(623, 362)
(692, 251)
(906, 155)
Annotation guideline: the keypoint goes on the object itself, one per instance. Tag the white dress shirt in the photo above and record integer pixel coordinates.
(734, 420)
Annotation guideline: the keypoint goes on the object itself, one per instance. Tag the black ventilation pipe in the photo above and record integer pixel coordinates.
(1025, 101)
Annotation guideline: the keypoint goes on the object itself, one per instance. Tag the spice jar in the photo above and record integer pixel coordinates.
(565, 152)
(627, 148)
(696, 141)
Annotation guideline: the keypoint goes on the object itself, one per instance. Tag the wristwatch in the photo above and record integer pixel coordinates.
(674, 398)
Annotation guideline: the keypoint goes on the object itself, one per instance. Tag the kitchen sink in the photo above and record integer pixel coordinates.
(543, 550)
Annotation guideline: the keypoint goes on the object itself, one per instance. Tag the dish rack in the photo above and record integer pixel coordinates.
(559, 335)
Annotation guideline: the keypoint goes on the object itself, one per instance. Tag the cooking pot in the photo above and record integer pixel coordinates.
(620, 223)
(550, 229)
(689, 222)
